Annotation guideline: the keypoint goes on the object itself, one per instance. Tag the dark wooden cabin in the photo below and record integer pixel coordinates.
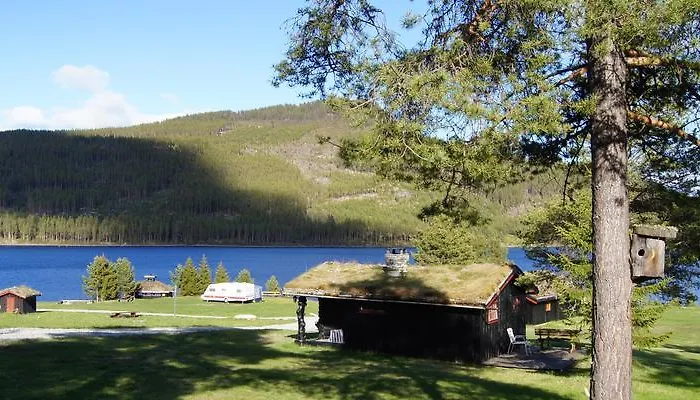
(542, 308)
(18, 299)
(457, 313)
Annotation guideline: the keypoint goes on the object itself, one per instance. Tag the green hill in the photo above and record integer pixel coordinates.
(257, 177)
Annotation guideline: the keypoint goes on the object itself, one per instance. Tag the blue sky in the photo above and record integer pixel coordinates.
(86, 64)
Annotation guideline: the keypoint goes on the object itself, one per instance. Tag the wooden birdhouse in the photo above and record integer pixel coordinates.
(648, 250)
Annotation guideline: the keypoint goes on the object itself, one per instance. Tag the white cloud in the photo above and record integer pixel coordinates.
(88, 77)
(24, 116)
(170, 98)
(104, 107)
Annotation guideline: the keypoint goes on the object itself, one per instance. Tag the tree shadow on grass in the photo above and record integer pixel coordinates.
(233, 362)
(675, 366)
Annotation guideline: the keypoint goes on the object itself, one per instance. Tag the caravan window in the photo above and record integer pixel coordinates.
(211, 289)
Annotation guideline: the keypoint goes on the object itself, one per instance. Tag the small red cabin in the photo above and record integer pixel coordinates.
(18, 299)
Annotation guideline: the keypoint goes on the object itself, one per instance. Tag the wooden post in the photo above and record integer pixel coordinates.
(301, 306)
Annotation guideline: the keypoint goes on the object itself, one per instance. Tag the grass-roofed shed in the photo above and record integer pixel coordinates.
(18, 299)
(151, 288)
(444, 311)
(542, 304)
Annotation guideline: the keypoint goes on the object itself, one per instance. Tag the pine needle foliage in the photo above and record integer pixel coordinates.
(272, 285)
(204, 275)
(244, 276)
(559, 238)
(221, 273)
(107, 280)
(445, 241)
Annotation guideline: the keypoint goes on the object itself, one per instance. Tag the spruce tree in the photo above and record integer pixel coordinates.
(204, 275)
(567, 268)
(221, 273)
(125, 278)
(189, 279)
(101, 282)
(446, 241)
(176, 276)
(244, 276)
(272, 285)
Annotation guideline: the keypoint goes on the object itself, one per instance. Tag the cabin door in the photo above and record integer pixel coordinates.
(10, 304)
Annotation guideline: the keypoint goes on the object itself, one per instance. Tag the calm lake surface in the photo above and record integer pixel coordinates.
(56, 271)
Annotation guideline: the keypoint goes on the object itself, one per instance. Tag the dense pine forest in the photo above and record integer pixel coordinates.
(257, 177)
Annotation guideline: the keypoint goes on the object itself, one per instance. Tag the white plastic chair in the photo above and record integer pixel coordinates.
(516, 340)
(336, 336)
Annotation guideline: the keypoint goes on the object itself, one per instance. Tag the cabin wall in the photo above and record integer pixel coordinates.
(432, 331)
(23, 306)
(538, 314)
(511, 314)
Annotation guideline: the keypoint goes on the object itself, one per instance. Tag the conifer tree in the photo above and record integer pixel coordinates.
(189, 279)
(567, 267)
(125, 278)
(244, 276)
(176, 275)
(272, 285)
(101, 282)
(493, 81)
(221, 273)
(204, 275)
(445, 241)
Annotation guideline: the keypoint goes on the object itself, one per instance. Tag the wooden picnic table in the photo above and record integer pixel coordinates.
(130, 314)
(557, 333)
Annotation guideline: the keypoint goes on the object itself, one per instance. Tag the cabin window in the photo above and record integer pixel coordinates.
(492, 312)
(516, 303)
(548, 307)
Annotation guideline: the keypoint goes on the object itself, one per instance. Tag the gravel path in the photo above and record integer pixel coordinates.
(12, 334)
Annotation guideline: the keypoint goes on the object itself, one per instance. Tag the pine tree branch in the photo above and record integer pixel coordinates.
(657, 123)
(633, 59)
(637, 58)
(470, 30)
(576, 73)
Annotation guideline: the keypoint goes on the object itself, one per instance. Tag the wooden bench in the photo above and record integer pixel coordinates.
(131, 314)
(557, 333)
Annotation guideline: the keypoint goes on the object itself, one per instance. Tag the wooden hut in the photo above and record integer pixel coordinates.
(542, 303)
(18, 299)
(542, 308)
(457, 313)
(150, 288)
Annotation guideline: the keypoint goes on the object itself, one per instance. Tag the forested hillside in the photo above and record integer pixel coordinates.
(251, 178)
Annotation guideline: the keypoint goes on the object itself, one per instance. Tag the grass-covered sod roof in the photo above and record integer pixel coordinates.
(21, 291)
(469, 285)
(154, 286)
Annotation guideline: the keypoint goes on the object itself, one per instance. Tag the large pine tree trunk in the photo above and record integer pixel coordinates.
(611, 374)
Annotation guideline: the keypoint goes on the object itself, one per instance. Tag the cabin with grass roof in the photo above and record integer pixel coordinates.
(150, 288)
(451, 312)
(18, 300)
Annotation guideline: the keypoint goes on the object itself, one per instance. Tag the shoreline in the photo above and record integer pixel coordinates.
(275, 246)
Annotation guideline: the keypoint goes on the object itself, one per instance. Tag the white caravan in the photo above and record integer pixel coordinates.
(232, 292)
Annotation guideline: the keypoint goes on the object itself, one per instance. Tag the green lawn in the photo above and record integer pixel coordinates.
(270, 308)
(267, 364)
(193, 305)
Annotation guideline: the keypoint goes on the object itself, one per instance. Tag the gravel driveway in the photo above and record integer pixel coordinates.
(10, 334)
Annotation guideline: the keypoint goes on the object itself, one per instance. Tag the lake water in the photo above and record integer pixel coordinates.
(56, 271)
